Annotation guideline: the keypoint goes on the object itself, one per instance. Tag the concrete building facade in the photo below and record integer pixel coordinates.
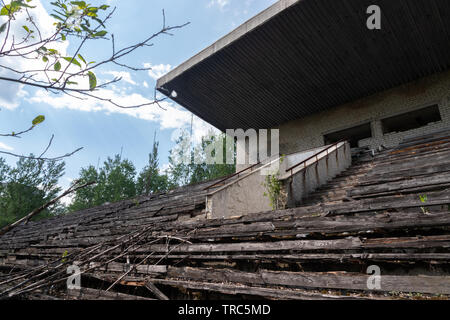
(315, 71)
(309, 132)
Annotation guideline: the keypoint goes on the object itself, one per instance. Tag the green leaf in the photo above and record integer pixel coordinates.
(81, 58)
(64, 255)
(99, 21)
(27, 29)
(57, 66)
(81, 4)
(38, 120)
(85, 28)
(72, 60)
(5, 10)
(56, 17)
(100, 33)
(63, 37)
(20, 3)
(45, 59)
(3, 27)
(53, 51)
(92, 80)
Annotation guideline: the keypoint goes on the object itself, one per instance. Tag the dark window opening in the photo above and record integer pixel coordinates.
(411, 120)
(352, 135)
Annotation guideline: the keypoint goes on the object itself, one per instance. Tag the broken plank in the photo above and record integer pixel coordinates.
(240, 289)
(318, 280)
(153, 289)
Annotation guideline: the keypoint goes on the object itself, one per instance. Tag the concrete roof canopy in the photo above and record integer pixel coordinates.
(300, 57)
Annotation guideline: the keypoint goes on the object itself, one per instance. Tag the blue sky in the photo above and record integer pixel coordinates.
(104, 130)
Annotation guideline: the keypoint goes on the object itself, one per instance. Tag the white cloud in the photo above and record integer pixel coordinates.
(10, 92)
(173, 117)
(158, 70)
(145, 84)
(6, 147)
(220, 3)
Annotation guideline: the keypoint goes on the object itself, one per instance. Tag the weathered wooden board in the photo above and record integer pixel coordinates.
(369, 214)
(95, 294)
(235, 289)
(317, 280)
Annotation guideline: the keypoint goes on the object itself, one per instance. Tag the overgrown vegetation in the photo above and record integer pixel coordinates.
(275, 190)
(424, 200)
(32, 183)
(197, 169)
(115, 182)
(27, 186)
(117, 179)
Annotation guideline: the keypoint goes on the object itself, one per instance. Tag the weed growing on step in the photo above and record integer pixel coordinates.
(424, 200)
(64, 256)
(275, 190)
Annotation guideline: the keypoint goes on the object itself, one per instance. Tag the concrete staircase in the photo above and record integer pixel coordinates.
(336, 189)
(300, 173)
(425, 159)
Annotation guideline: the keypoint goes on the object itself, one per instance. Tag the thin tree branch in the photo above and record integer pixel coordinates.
(18, 134)
(63, 78)
(48, 146)
(44, 159)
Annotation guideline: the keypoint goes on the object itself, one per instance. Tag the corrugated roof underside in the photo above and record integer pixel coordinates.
(315, 55)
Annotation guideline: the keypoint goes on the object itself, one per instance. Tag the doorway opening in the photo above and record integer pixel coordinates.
(353, 135)
(411, 120)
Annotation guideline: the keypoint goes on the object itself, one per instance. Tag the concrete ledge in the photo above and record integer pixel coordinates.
(234, 35)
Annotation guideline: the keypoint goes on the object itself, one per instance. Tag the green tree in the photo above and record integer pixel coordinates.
(204, 172)
(197, 170)
(5, 217)
(4, 170)
(27, 186)
(179, 161)
(90, 196)
(150, 180)
(116, 179)
(115, 182)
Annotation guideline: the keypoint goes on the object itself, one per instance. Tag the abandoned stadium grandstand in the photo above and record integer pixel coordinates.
(369, 108)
